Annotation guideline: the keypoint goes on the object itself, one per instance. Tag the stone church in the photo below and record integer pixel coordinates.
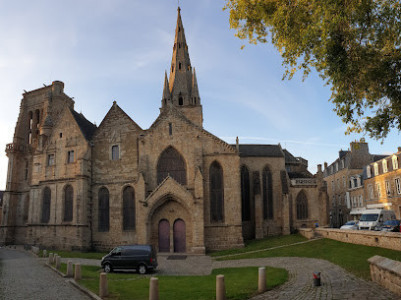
(73, 185)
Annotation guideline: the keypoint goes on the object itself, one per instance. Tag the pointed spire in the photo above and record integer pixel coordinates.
(166, 91)
(195, 90)
(181, 69)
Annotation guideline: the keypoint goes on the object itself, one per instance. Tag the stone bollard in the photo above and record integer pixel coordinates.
(58, 262)
(54, 258)
(220, 288)
(77, 274)
(50, 259)
(44, 253)
(69, 269)
(154, 289)
(103, 288)
(262, 280)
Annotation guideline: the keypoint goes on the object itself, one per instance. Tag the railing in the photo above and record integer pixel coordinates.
(12, 148)
(303, 181)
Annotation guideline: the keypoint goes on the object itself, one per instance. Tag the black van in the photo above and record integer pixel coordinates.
(139, 257)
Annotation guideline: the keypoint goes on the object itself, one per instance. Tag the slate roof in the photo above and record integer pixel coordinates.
(87, 128)
(260, 151)
(377, 157)
(289, 158)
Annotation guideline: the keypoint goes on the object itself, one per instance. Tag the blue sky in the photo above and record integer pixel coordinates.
(119, 49)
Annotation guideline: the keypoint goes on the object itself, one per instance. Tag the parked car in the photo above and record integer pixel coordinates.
(352, 225)
(390, 225)
(139, 257)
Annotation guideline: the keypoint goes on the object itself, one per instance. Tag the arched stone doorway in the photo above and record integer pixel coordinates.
(179, 235)
(164, 236)
(171, 227)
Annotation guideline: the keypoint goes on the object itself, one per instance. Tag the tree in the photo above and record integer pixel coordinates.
(353, 44)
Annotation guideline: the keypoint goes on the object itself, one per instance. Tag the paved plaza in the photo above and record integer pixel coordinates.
(40, 282)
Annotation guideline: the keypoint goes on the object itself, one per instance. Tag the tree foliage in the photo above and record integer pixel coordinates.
(353, 44)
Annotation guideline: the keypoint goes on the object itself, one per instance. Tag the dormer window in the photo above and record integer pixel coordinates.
(395, 162)
(376, 168)
(384, 164)
(368, 172)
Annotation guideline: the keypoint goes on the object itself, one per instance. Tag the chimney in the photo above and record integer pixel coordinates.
(325, 165)
(319, 168)
(399, 150)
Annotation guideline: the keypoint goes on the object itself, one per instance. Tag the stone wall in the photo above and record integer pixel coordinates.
(389, 240)
(386, 272)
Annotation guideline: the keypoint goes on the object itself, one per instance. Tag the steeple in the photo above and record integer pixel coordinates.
(182, 85)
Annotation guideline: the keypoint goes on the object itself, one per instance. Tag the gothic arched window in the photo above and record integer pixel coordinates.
(216, 193)
(245, 194)
(128, 208)
(104, 210)
(46, 200)
(302, 206)
(68, 203)
(267, 194)
(171, 163)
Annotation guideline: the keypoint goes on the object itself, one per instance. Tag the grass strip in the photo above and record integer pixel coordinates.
(351, 257)
(241, 283)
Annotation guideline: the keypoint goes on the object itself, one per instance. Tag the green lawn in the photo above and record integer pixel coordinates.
(351, 257)
(241, 283)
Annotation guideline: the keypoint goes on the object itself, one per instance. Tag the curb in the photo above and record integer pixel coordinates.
(84, 290)
(75, 284)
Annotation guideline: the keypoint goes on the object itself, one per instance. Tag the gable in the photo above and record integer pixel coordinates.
(115, 121)
(188, 129)
(68, 132)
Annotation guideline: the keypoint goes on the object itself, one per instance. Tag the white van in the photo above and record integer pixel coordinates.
(372, 218)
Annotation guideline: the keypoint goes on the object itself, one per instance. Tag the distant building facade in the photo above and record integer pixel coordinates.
(349, 165)
(382, 185)
(72, 185)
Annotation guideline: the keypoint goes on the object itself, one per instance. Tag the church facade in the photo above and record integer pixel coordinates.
(73, 185)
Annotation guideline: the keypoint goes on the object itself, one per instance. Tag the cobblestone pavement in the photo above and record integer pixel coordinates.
(22, 276)
(336, 282)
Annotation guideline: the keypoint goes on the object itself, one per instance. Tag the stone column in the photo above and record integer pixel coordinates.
(262, 280)
(77, 274)
(258, 205)
(103, 287)
(286, 214)
(58, 262)
(220, 288)
(154, 289)
(69, 269)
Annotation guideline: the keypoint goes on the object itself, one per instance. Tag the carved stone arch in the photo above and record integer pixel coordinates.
(267, 193)
(245, 193)
(165, 233)
(216, 189)
(171, 163)
(301, 204)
